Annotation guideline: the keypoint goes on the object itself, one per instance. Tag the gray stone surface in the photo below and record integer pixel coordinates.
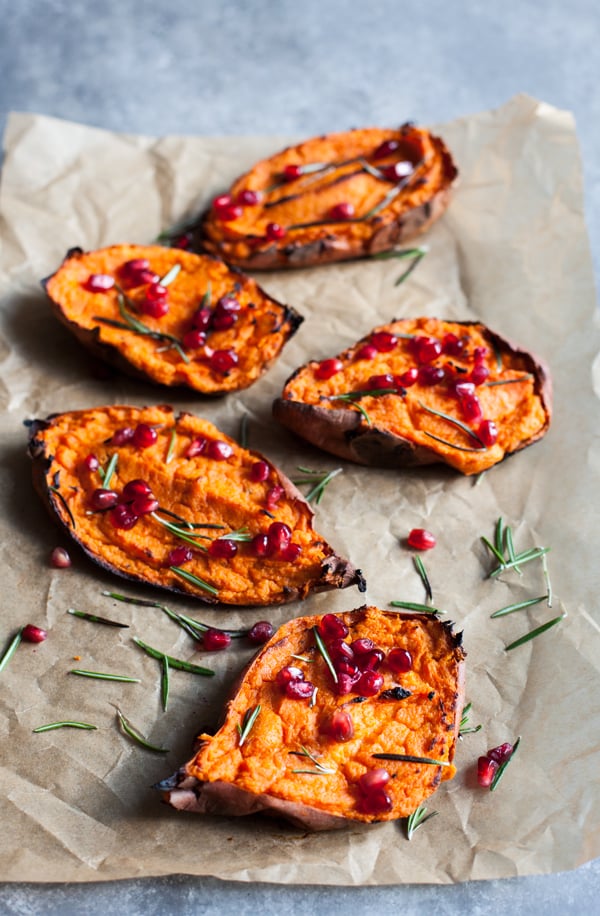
(277, 66)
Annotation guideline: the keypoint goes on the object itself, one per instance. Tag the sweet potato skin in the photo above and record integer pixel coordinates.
(262, 329)
(433, 711)
(196, 489)
(343, 431)
(244, 241)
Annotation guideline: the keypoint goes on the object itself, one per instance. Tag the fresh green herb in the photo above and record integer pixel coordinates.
(417, 254)
(508, 381)
(137, 736)
(313, 699)
(415, 606)
(171, 446)
(302, 658)
(11, 649)
(177, 663)
(319, 769)
(184, 534)
(319, 479)
(464, 728)
(95, 619)
(110, 470)
(53, 725)
(323, 650)
(499, 539)
(101, 676)
(458, 423)
(203, 627)
(170, 276)
(511, 608)
(243, 435)
(459, 448)
(250, 717)
(498, 355)
(189, 525)
(423, 574)
(194, 580)
(510, 547)
(410, 758)
(193, 627)
(165, 682)
(547, 579)
(353, 396)
(405, 274)
(533, 633)
(131, 323)
(241, 535)
(477, 480)
(64, 504)
(500, 771)
(499, 556)
(519, 560)
(418, 817)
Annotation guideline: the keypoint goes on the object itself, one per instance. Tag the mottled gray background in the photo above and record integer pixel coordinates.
(284, 67)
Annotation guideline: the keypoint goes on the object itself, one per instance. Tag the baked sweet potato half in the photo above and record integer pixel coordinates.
(344, 195)
(171, 316)
(170, 501)
(421, 391)
(366, 737)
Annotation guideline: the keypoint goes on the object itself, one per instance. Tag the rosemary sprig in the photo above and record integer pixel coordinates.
(508, 381)
(419, 566)
(459, 448)
(510, 547)
(184, 534)
(533, 633)
(102, 676)
(195, 580)
(241, 535)
(410, 758)
(511, 608)
(137, 736)
(165, 682)
(66, 724)
(323, 650)
(547, 579)
(171, 446)
(499, 539)
(500, 771)
(250, 717)
(243, 434)
(189, 525)
(404, 276)
(109, 470)
(64, 504)
(319, 479)
(195, 628)
(455, 422)
(415, 606)
(177, 663)
(138, 327)
(203, 627)
(464, 728)
(499, 556)
(11, 649)
(170, 275)
(353, 396)
(418, 817)
(319, 769)
(417, 254)
(95, 619)
(526, 557)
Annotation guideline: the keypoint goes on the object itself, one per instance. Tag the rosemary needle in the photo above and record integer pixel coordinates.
(511, 608)
(137, 736)
(424, 577)
(533, 633)
(94, 618)
(11, 649)
(67, 724)
(500, 771)
(323, 650)
(415, 606)
(250, 717)
(418, 817)
(102, 676)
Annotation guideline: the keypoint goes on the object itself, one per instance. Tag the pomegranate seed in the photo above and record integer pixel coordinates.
(348, 669)
(371, 661)
(370, 683)
(222, 201)
(274, 232)
(157, 308)
(383, 341)
(377, 802)
(228, 304)
(299, 690)
(290, 553)
(222, 321)
(425, 349)
(219, 450)
(222, 548)
(144, 436)
(196, 447)
(229, 214)
(340, 651)
(345, 683)
(99, 283)
(398, 170)
(215, 640)
(259, 471)
(156, 292)
(123, 517)
(373, 780)
(486, 770)
(273, 496)
(146, 276)
(420, 539)
(342, 211)
(131, 271)
(292, 171)
(261, 632)
(288, 674)
(183, 241)
(399, 661)
(179, 555)
(488, 433)
(194, 339)
(332, 627)
(461, 389)
(408, 378)
(479, 374)
(223, 360)
(471, 408)
(259, 545)
(328, 368)
(201, 319)
(279, 536)
(386, 149)
(381, 381)
(135, 488)
(453, 345)
(367, 351)
(430, 375)
(103, 499)
(144, 505)
(501, 753)
(59, 558)
(91, 463)
(339, 727)
(480, 353)
(248, 198)
(31, 633)
(121, 436)
(362, 646)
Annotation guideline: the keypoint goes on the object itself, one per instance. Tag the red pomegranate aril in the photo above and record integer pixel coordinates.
(342, 211)
(479, 374)
(290, 553)
(135, 488)
(261, 632)
(123, 517)
(274, 232)
(339, 727)
(377, 802)
(453, 345)
(340, 651)
(222, 321)
(183, 241)
(99, 283)
(374, 382)
(136, 272)
(362, 645)
(370, 683)
(259, 545)
(194, 339)
(398, 170)
(59, 558)
(407, 379)
(279, 536)
(383, 341)
(399, 661)
(122, 436)
(155, 309)
(146, 276)
(31, 633)
(259, 471)
(229, 214)
(370, 661)
(480, 353)
(202, 318)
(488, 433)
(219, 450)
(144, 436)
(156, 292)
(425, 349)
(273, 496)
(345, 684)
(386, 149)
(103, 499)
(471, 408)
(461, 389)
(222, 201)
(248, 198)
(292, 171)
(288, 674)
(420, 539)
(144, 505)
(486, 770)
(501, 753)
(328, 368)
(179, 555)
(223, 360)
(332, 627)
(222, 548)
(347, 668)
(430, 375)
(373, 780)
(367, 351)
(91, 463)
(196, 447)
(215, 640)
(299, 690)
(228, 304)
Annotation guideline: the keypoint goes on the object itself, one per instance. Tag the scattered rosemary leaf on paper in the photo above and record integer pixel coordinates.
(66, 724)
(11, 649)
(533, 633)
(519, 606)
(137, 736)
(165, 682)
(243, 433)
(418, 817)
(177, 663)
(415, 606)
(250, 717)
(500, 771)
(419, 566)
(319, 481)
(94, 618)
(103, 676)
(464, 727)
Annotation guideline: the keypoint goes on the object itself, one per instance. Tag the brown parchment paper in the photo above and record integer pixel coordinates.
(511, 251)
